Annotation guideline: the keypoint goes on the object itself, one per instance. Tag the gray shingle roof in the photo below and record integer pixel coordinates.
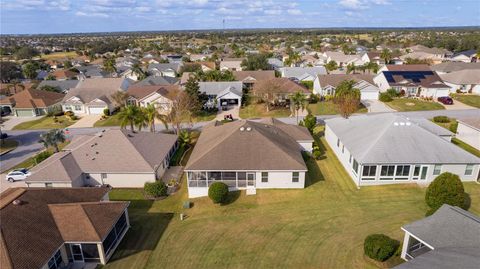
(64, 85)
(217, 87)
(448, 67)
(300, 72)
(152, 80)
(390, 138)
(445, 258)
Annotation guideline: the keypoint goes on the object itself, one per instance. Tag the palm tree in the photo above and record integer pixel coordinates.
(129, 116)
(185, 138)
(151, 113)
(293, 58)
(386, 55)
(137, 70)
(52, 138)
(109, 65)
(298, 101)
(351, 68)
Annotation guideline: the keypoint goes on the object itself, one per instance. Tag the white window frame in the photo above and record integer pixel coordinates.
(469, 169)
(264, 177)
(369, 168)
(295, 177)
(437, 169)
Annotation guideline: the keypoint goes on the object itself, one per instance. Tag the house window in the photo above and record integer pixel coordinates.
(350, 159)
(56, 261)
(369, 171)
(343, 148)
(437, 169)
(338, 142)
(48, 185)
(68, 108)
(264, 177)
(402, 172)
(77, 107)
(387, 172)
(355, 166)
(295, 177)
(469, 170)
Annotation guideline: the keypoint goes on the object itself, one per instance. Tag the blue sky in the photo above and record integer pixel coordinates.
(67, 16)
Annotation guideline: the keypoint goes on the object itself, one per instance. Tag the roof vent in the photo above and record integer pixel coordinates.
(242, 129)
(402, 123)
(408, 123)
(93, 159)
(395, 123)
(17, 202)
(249, 129)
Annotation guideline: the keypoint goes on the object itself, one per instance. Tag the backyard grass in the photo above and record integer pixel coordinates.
(329, 108)
(321, 226)
(7, 145)
(59, 55)
(259, 111)
(112, 120)
(468, 99)
(466, 147)
(408, 104)
(45, 123)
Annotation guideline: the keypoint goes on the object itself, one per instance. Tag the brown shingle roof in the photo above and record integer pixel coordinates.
(63, 74)
(140, 92)
(227, 147)
(408, 67)
(29, 232)
(32, 98)
(286, 85)
(257, 75)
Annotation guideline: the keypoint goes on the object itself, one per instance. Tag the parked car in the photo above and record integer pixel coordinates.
(18, 174)
(445, 100)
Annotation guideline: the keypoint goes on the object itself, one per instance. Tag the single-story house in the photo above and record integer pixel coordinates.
(412, 80)
(450, 238)
(468, 130)
(389, 149)
(302, 73)
(249, 155)
(275, 63)
(373, 57)
(158, 95)
(285, 88)
(92, 160)
(420, 52)
(448, 67)
(60, 227)
(343, 59)
(63, 85)
(222, 93)
(92, 96)
(204, 66)
(64, 74)
(466, 81)
(232, 64)
(92, 71)
(466, 56)
(152, 80)
(32, 102)
(325, 85)
(164, 70)
(249, 78)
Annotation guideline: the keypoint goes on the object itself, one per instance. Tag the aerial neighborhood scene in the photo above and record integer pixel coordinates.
(239, 134)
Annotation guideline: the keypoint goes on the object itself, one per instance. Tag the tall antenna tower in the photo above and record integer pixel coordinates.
(223, 22)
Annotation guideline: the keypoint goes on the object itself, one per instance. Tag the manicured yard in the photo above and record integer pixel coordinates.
(468, 99)
(329, 108)
(45, 123)
(322, 226)
(59, 55)
(7, 145)
(466, 147)
(408, 104)
(113, 120)
(259, 111)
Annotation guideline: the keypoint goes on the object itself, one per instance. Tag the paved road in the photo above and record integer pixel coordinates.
(27, 147)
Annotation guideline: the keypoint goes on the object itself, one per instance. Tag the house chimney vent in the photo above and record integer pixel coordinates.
(249, 129)
(242, 129)
(395, 123)
(17, 202)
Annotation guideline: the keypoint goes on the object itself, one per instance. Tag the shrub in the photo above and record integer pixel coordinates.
(106, 112)
(155, 189)
(310, 122)
(316, 154)
(40, 157)
(73, 117)
(441, 119)
(69, 113)
(453, 127)
(218, 192)
(380, 247)
(392, 93)
(314, 98)
(445, 189)
(385, 97)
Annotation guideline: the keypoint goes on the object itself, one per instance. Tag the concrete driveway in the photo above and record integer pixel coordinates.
(4, 184)
(12, 121)
(85, 121)
(376, 106)
(457, 106)
(234, 110)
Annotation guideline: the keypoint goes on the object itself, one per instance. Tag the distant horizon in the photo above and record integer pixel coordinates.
(28, 17)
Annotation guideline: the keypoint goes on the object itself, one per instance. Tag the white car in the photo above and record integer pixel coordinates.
(17, 174)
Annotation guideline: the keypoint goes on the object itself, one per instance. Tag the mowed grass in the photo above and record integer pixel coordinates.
(59, 55)
(408, 104)
(321, 226)
(45, 123)
(113, 120)
(329, 108)
(260, 111)
(468, 99)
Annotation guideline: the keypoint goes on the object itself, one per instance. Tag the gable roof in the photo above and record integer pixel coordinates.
(217, 87)
(466, 76)
(30, 234)
(64, 85)
(407, 67)
(232, 147)
(448, 67)
(255, 75)
(89, 90)
(390, 138)
(286, 85)
(64, 74)
(153, 80)
(33, 98)
(302, 72)
(164, 67)
(335, 79)
(426, 79)
(140, 92)
(424, 49)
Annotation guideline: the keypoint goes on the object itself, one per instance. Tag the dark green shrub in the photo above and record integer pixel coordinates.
(380, 247)
(441, 119)
(314, 98)
(453, 127)
(310, 122)
(316, 154)
(40, 157)
(106, 112)
(155, 189)
(307, 84)
(218, 192)
(69, 113)
(445, 189)
(393, 93)
(385, 97)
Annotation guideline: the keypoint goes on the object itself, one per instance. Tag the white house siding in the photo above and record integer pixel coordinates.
(123, 180)
(54, 185)
(434, 92)
(381, 82)
(76, 108)
(344, 157)
(317, 88)
(468, 135)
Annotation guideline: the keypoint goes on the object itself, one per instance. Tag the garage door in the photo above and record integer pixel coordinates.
(96, 110)
(24, 112)
(370, 95)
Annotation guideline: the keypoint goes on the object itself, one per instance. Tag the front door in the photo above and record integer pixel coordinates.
(77, 252)
(250, 179)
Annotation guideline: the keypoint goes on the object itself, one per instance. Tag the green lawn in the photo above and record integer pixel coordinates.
(112, 120)
(408, 104)
(466, 147)
(468, 99)
(45, 123)
(7, 145)
(329, 108)
(260, 111)
(322, 226)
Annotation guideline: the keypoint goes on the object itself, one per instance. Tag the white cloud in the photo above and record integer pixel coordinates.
(361, 4)
(91, 14)
(294, 12)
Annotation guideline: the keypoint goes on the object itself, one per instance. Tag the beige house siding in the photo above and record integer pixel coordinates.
(120, 180)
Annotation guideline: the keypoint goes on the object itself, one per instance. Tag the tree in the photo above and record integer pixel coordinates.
(151, 114)
(49, 88)
(351, 68)
(386, 55)
(9, 71)
(52, 138)
(29, 70)
(268, 91)
(332, 65)
(255, 62)
(309, 122)
(218, 192)
(120, 98)
(298, 101)
(347, 98)
(50, 77)
(180, 109)
(185, 138)
(67, 64)
(447, 188)
(26, 53)
(293, 58)
(193, 90)
(191, 68)
(129, 116)
(137, 70)
(109, 65)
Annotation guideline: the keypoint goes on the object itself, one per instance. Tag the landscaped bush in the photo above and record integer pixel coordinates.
(385, 97)
(218, 192)
(155, 189)
(106, 112)
(40, 157)
(69, 113)
(393, 93)
(453, 127)
(314, 98)
(380, 247)
(445, 189)
(316, 154)
(441, 119)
